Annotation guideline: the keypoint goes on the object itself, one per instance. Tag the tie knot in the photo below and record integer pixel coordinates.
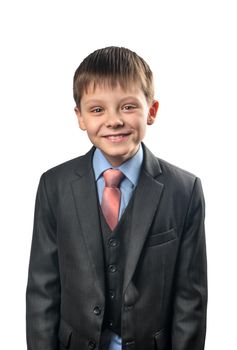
(112, 177)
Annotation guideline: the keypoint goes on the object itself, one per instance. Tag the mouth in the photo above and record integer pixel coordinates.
(117, 137)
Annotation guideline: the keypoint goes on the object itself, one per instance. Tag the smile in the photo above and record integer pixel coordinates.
(117, 138)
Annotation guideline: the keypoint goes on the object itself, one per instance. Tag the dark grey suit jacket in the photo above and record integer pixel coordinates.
(165, 285)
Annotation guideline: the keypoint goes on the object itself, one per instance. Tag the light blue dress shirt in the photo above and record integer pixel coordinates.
(131, 169)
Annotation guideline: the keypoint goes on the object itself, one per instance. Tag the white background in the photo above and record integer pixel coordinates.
(191, 48)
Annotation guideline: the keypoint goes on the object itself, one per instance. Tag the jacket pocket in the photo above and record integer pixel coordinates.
(64, 333)
(162, 237)
(162, 340)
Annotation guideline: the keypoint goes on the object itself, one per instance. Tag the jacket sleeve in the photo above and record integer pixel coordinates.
(43, 288)
(190, 302)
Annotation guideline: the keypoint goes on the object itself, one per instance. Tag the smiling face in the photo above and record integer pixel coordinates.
(115, 120)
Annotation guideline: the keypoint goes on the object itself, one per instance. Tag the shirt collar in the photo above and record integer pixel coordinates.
(131, 168)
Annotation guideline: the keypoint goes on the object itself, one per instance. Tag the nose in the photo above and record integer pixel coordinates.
(114, 120)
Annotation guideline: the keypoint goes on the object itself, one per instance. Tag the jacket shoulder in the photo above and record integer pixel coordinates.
(165, 171)
(179, 181)
(70, 169)
(175, 171)
(63, 168)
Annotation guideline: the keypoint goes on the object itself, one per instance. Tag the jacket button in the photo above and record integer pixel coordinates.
(91, 344)
(112, 268)
(97, 311)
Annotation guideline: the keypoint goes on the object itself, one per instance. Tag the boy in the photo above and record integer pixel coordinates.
(118, 255)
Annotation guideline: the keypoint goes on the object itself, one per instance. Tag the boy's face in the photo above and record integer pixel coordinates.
(115, 120)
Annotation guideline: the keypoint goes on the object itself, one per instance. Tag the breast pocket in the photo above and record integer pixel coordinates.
(162, 237)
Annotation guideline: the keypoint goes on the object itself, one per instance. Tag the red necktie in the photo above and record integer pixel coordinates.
(111, 196)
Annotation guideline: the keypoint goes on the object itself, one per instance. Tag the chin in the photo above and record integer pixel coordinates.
(121, 153)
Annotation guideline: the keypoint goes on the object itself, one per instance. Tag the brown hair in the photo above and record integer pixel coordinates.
(111, 66)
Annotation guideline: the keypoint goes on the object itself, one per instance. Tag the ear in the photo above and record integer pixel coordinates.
(80, 119)
(152, 112)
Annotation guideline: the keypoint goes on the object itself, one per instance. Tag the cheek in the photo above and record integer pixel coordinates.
(92, 127)
(141, 127)
(143, 131)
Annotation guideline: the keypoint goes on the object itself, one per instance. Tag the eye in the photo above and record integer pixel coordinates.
(96, 110)
(129, 107)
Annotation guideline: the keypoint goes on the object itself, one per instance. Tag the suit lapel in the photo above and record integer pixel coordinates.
(85, 195)
(146, 201)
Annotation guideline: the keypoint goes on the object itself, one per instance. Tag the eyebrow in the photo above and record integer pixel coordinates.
(130, 97)
(98, 101)
(93, 102)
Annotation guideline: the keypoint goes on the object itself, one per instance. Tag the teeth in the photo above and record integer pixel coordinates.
(115, 137)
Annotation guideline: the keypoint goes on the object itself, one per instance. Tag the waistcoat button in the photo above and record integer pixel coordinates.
(97, 310)
(112, 268)
(113, 242)
(112, 294)
(91, 344)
